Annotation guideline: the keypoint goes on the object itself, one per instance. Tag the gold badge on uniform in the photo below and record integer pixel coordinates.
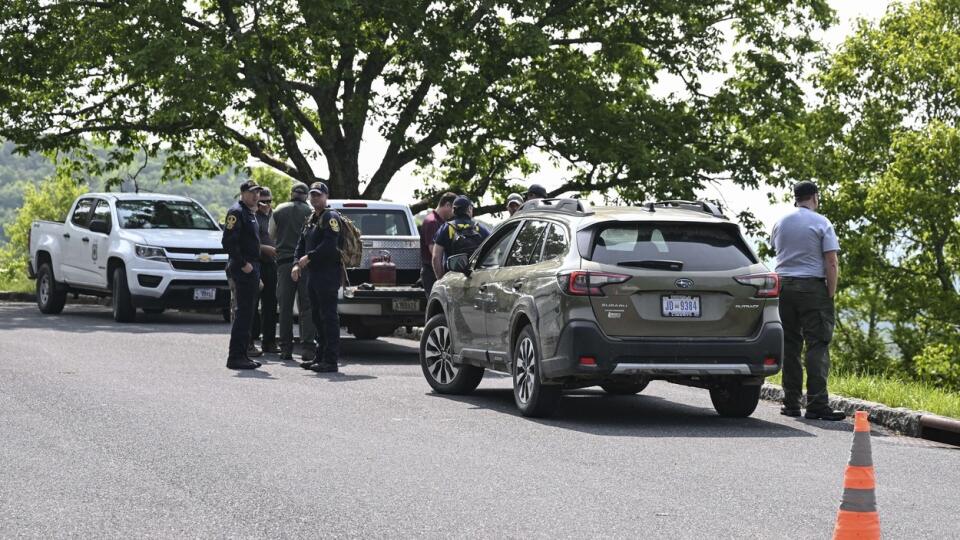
(335, 225)
(231, 221)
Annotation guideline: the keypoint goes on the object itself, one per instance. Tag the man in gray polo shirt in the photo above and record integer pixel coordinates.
(806, 247)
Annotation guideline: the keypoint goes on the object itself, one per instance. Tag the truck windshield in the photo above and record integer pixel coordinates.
(372, 222)
(163, 215)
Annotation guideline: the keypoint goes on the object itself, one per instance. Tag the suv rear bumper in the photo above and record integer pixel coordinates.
(661, 358)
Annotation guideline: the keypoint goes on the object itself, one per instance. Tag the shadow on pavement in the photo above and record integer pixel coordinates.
(596, 413)
(255, 374)
(90, 318)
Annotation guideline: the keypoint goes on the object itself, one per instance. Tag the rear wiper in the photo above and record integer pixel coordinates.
(675, 266)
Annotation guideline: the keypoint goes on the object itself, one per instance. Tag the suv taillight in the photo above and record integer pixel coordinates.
(768, 285)
(581, 283)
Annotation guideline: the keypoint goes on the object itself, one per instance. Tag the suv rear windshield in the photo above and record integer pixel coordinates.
(378, 222)
(698, 246)
(163, 215)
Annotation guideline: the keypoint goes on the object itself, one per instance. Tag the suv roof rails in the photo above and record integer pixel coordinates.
(562, 205)
(705, 207)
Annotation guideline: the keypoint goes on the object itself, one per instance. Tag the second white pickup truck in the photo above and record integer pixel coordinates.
(144, 250)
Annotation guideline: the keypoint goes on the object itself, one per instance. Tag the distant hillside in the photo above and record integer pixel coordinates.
(16, 172)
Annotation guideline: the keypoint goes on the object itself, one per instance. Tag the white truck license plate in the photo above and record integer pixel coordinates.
(400, 304)
(681, 306)
(204, 294)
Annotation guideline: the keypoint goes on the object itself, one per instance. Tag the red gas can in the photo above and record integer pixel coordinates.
(383, 271)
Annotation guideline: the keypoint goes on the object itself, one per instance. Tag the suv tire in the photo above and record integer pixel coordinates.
(51, 296)
(625, 388)
(436, 360)
(735, 400)
(123, 310)
(533, 398)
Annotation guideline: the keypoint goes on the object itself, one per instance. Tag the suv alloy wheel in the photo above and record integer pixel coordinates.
(533, 398)
(436, 360)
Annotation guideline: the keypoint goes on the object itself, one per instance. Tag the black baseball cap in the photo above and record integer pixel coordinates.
(537, 190)
(805, 189)
(249, 185)
(462, 201)
(319, 187)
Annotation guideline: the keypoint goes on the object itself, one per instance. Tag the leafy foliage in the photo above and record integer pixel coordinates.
(885, 144)
(51, 200)
(462, 89)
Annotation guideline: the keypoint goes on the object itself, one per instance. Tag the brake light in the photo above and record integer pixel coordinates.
(354, 205)
(580, 283)
(588, 361)
(768, 285)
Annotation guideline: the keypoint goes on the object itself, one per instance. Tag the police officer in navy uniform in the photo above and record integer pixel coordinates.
(241, 239)
(318, 260)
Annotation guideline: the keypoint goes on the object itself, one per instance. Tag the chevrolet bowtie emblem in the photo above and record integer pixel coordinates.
(204, 257)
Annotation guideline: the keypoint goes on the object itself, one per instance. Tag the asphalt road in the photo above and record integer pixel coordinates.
(138, 430)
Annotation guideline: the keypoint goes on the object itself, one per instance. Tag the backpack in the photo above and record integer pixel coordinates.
(464, 238)
(351, 247)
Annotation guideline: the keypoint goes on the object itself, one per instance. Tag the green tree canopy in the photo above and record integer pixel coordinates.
(467, 87)
(885, 145)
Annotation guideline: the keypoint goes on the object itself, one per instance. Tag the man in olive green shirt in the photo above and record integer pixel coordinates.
(286, 222)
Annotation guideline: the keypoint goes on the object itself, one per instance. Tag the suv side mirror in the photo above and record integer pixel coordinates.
(459, 263)
(100, 226)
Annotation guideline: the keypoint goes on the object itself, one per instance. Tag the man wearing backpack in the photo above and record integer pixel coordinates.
(318, 260)
(460, 235)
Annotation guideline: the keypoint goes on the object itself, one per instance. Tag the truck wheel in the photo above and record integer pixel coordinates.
(225, 313)
(51, 296)
(123, 310)
(436, 360)
(735, 400)
(533, 398)
(625, 388)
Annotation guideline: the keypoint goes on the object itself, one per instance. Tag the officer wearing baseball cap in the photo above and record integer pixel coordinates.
(806, 247)
(318, 259)
(285, 225)
(460, 235)
(514, 202)
(241, 240)
(535, 191)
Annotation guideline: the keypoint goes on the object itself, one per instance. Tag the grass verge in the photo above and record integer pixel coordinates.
(893, 392)
(17, 284)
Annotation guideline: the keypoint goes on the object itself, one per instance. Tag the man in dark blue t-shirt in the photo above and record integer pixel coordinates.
(460, 235)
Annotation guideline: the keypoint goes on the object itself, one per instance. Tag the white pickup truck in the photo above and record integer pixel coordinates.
(144, 250)
(367, 312)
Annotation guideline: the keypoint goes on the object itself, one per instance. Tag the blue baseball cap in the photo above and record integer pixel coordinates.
(462, 201)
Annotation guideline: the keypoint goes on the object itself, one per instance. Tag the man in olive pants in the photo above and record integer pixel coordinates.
(286, 222)
(806, 247)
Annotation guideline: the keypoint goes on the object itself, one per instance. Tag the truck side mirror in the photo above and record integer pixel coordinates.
(100, 226)
(459, 263)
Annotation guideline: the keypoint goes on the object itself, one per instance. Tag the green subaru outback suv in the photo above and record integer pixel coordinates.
(565, 296)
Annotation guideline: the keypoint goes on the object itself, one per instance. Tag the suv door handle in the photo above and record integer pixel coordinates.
(66, 235)
(85, 239)
(518, 284)
(483, 288)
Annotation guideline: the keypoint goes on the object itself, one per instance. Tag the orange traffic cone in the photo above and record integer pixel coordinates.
(858, 517)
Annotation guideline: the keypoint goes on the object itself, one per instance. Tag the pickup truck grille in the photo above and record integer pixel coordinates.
(196, 251)
(199, 266)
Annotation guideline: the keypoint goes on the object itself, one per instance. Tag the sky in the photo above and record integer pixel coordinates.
(401, 189)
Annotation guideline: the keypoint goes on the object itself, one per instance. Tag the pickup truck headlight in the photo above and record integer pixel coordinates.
(151, 253)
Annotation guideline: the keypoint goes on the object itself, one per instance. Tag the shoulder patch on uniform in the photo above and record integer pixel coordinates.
(231, 221)
(335, 225)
